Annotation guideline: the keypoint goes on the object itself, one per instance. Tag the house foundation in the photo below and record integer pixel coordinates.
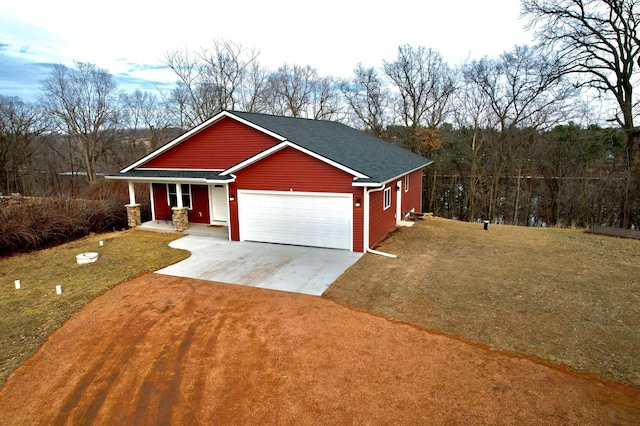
(133, 215)
(180, 217)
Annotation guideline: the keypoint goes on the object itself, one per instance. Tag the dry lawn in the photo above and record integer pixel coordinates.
(32, 313)
(562, 296)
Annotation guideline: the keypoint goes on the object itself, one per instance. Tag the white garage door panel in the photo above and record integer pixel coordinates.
(308, 220)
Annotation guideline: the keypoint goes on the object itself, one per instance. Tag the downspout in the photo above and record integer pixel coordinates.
(366, 224)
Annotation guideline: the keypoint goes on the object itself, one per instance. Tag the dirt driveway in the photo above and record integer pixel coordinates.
(167, 350)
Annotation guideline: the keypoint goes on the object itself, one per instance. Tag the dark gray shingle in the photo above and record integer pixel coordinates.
(345, 145)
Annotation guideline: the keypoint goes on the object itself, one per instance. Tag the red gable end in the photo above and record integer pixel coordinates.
(218, 147)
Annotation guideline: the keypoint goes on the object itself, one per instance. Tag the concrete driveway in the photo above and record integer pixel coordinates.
(305, 270)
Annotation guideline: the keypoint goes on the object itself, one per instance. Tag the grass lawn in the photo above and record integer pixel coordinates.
(32, 313)
(555, 294)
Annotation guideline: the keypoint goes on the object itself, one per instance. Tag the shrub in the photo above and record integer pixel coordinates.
(31, 223)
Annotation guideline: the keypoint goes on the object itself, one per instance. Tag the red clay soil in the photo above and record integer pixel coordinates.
(166, 350)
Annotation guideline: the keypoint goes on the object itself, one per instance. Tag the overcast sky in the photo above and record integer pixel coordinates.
(130, 37)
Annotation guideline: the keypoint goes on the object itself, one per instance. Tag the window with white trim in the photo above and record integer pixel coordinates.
(172, 194)
(406, 183)
(387, 198)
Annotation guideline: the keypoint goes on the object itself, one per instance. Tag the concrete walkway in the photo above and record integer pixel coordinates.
(305, 270)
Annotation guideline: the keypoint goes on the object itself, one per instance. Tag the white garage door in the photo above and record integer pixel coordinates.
(296, 218)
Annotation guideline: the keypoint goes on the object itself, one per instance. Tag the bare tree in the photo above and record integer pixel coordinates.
(471, 112)
(226, 76)
(21, 128)
(256, 85)
(299, 91)
(325, 102)
(147, 119)
(424, 82)
(193, 98)
(368, 99)
(290, 90)
(225, 68)
(522, 88)
(84, 103)
(598, 41)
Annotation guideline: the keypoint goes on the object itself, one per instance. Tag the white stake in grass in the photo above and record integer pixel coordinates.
(58, 289)
(101, 243)
(17, 283)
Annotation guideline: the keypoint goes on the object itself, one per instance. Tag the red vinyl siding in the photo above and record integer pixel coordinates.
(199, 203)
(234, 226)
(381, 221)
(199, 212)
(218, 147)
(413, 198)
(358, 220)
(292, 170)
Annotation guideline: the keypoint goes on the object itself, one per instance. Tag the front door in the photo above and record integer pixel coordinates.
(220, 206)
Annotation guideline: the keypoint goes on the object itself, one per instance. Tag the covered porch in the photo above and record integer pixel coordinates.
(216, 231)
(190, 202)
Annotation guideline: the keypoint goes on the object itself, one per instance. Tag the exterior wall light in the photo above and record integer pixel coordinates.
(232, 197)
(358, 202)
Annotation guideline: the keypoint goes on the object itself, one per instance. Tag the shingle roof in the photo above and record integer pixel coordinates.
(205, 175)
(357, 150)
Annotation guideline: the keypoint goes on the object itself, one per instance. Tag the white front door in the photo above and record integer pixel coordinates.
(220, 206)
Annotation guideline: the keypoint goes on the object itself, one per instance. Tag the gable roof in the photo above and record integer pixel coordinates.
(373, 160)
(381, 161)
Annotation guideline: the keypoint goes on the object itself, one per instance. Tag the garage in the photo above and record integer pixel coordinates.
(306, 219)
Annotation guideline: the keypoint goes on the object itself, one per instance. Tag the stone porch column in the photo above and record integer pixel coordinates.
(180, 216)
(133, 215)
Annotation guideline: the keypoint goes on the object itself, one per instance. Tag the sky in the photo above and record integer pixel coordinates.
(129, 38)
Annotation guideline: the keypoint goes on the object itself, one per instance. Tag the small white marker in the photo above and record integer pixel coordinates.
(58, 289)
(17, 283)
(101, 243)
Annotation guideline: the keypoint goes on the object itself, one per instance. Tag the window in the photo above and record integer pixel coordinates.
(406, 183)
(173, 194)
(387, 198)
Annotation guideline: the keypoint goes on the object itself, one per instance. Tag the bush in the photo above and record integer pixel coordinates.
(31, 223)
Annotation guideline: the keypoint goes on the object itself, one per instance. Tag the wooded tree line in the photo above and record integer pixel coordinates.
(540, 135)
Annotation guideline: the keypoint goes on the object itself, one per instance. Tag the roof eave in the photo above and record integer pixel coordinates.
(196, 130)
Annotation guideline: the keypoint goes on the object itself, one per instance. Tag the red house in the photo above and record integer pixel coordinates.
(281, 180)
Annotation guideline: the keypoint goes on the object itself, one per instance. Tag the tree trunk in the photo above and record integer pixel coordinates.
(632, 184)
(517, 204)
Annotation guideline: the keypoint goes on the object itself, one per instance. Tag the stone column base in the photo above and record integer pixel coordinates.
(133, 215)
(180, 216)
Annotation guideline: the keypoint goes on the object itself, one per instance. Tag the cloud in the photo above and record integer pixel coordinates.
(131, 83)
(20, 77)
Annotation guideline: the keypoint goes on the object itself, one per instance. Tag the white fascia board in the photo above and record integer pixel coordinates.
(285, 144)
(196, 130)
(170, 179)
(178, 170)
(254, 126)
(366, 184)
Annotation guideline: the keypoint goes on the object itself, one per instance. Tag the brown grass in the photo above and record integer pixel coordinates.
(557, 294)
(31, 314)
